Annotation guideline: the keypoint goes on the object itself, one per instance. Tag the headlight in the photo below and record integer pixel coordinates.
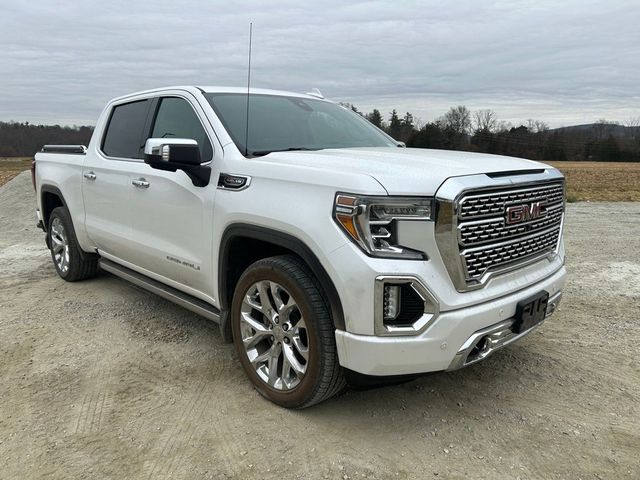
(372, 222)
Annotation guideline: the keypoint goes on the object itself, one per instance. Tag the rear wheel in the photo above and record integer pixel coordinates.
(71, 263)
(284, 335)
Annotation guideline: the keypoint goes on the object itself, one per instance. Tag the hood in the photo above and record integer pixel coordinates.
(404, 171)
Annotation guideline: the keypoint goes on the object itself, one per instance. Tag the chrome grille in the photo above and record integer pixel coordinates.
(486, 241)
(490, 224)
(480, 260)
(484, 205)
(492, 230)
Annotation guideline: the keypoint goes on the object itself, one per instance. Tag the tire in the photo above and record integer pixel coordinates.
(280, 342)
(71, 263)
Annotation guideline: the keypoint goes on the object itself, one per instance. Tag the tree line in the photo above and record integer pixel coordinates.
(482, 131)
(24, 139)
(458, 129)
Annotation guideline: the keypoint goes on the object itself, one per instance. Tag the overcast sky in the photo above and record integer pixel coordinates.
(564, 62)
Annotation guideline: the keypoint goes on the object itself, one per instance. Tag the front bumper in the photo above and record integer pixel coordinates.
(449, 341)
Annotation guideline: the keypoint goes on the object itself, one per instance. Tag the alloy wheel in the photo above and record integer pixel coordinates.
(274, 335)
(59, 245)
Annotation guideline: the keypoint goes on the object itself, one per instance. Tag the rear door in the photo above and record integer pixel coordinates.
(106, 188)
(171, 219)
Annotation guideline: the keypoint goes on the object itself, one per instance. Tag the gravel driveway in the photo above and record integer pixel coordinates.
(102, 380)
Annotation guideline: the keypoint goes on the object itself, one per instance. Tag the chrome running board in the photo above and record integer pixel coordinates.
(169, 293)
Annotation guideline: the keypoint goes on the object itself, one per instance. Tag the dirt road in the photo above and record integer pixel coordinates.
(102, 380)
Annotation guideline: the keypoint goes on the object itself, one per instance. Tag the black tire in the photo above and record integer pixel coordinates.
(77, 265)
(323, 377)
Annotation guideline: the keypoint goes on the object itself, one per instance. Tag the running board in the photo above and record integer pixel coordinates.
(173, 295)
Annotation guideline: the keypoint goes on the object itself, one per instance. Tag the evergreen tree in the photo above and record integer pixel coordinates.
(375, 117)
(395, 125)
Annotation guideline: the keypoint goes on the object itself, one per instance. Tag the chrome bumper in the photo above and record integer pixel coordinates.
(484, 342)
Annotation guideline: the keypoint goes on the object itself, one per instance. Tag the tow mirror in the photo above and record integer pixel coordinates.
(172, 154)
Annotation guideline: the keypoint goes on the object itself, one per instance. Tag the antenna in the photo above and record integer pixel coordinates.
(246, 132)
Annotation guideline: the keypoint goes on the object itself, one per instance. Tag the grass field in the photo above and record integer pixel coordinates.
(592, 181)
(601, 181)
(10, 167)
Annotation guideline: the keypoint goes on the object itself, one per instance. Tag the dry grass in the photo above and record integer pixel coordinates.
(601, 181)
(592, 181)
(10, 167)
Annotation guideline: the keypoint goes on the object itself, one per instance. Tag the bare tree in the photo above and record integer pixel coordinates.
(504, 126)
(632, 122)
(633, 128)
(541, 127)
(485, 120)
(537, 126)
(458, 119)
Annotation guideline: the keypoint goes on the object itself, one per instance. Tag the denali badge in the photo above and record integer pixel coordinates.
(523, 213)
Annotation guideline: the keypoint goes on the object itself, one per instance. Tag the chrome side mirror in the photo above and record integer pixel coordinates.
(172, 150)
(172, 154)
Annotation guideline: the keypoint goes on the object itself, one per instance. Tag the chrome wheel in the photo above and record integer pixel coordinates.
(274, 335)
(59, 245)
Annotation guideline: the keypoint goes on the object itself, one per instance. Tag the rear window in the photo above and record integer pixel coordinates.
(124, 136)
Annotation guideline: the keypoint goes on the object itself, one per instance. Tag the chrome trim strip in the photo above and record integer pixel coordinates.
(431, 306)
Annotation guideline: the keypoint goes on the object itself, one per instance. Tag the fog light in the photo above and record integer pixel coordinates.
(391, 302)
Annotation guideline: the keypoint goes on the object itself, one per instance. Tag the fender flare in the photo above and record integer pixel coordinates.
(46, 188)
(283, 240)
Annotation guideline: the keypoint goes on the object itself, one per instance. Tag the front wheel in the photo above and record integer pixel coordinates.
(283, 333)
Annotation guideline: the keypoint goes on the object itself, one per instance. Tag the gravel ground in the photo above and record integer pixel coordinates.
(102, 380)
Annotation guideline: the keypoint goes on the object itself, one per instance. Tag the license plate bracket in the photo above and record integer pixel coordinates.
(531, 311)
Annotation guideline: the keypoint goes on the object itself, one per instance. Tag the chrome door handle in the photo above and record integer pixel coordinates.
(140, 182)
(89, 175)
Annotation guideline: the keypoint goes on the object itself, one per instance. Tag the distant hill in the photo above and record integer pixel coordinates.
(606, 128)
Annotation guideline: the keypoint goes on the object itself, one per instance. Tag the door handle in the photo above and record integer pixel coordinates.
(89, 175)
(140, 182)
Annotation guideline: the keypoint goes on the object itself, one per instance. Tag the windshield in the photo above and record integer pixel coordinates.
(279, 123)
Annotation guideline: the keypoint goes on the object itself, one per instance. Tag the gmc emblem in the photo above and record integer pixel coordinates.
(524, 213)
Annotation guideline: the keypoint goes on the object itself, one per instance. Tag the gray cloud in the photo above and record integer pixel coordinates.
(563, 62)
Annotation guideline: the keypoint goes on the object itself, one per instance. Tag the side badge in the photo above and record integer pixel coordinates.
(227, 181)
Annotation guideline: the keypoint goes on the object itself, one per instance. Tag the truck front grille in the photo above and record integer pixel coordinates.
(487, 226)
(487, 242)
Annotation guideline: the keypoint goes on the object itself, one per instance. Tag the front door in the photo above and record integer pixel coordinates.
(171, 219)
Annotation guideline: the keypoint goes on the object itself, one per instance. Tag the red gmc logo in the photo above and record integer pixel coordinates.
(524, 213)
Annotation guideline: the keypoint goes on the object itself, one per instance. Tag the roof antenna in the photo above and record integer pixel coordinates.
(246, 132)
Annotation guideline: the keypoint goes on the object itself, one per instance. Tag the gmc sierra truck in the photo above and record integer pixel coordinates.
(323, 249)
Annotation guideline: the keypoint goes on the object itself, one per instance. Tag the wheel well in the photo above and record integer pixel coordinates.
(243, 245)
(50, 201)
(242, 252)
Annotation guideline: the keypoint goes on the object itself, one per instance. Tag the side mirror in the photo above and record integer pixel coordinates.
(172, 154)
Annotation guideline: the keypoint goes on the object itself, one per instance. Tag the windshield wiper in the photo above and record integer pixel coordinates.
(261, 153)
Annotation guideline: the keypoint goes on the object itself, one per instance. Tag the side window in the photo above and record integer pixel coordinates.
(176, 118)
(124, 135)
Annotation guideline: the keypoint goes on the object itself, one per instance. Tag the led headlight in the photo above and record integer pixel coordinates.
(371, 222)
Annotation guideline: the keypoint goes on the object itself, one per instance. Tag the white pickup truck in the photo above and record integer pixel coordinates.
(325, 251)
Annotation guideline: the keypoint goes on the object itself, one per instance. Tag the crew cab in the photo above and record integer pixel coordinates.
(324, 250)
